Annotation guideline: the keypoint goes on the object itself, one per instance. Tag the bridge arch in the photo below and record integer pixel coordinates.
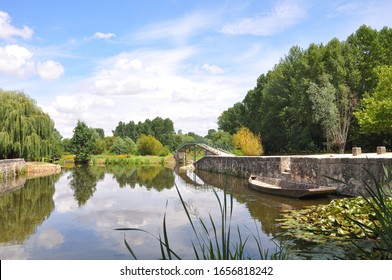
(209, 150)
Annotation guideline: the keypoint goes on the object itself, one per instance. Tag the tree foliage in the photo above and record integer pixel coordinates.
(25, 130)
(123, 146)
(248, 143)
(306, 103)
(375, 116)
(82, 142)
(149, 145)
(159, 128)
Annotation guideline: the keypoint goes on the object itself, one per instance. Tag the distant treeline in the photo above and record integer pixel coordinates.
(324, 98)
(161, 129)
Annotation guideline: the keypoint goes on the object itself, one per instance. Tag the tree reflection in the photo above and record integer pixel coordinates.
(23, 210)
(83, 181)
(151, 177)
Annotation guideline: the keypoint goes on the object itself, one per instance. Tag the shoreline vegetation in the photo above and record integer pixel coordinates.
(68, 161)
(41, 168)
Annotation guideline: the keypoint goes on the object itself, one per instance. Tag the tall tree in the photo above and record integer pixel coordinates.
(25, 130)
(369, 54)
(375, 116)
(231, 120)
(82, 143)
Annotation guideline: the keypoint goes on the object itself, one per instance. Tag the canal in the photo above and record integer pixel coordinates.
(74, 214)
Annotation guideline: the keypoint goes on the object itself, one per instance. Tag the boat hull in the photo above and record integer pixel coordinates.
(314, 191)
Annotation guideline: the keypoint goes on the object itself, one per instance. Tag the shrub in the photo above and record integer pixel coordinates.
(248, 143)
(149, 145)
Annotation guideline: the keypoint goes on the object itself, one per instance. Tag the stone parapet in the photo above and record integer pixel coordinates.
(327, 170)
(10, 168)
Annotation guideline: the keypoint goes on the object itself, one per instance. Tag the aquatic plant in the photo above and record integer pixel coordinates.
(362, 226)
(318, 223)
(213, 239)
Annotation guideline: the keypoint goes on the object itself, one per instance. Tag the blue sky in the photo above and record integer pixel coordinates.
(108, 61)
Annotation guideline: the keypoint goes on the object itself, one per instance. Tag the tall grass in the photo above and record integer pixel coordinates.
(380, 201)
(212, 239)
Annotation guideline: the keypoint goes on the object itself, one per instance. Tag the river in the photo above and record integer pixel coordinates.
(73, 215)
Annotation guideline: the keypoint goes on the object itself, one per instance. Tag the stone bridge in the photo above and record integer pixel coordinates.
(180, 154)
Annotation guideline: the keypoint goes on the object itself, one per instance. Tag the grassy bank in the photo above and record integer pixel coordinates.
(123, 160)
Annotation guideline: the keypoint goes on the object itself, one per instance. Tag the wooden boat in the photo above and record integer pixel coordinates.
(288, 188)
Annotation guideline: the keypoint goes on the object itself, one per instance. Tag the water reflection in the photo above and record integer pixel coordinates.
(83, 181)
(24, 209)
(262, 207)
(73, 215)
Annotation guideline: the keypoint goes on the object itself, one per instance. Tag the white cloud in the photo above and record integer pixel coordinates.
(284, 15)
(50, 239)
(100, 35)
(212, 69)
(16, 60)
(145, 84)
(50, 70)
(178, 29)
(8, 31)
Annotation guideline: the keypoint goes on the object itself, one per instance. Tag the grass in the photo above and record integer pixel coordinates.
(213, 239)
(380, 201)
(122, 160)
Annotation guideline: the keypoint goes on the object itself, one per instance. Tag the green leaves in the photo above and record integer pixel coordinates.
(149, 145)
(375, 116)
(25, 130)
(82, 143)
(335, 220)
(306, 102)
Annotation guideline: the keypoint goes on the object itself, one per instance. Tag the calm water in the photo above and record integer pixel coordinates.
(73, 215)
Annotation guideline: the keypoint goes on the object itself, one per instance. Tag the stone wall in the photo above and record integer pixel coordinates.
(308, 169)
(240, 166)
(348, 174)
(9, 168)
(42, 169)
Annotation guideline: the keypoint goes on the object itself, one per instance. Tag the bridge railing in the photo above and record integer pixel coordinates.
(221, 148)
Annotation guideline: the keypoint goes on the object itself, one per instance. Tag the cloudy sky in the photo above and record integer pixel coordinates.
(108, 61)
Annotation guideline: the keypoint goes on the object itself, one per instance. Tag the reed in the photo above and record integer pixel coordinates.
(380, 201)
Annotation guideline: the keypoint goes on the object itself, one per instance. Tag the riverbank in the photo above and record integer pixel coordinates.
(38, 169)
(67, 161)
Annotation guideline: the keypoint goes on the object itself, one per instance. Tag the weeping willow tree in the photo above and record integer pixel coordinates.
(25, 130)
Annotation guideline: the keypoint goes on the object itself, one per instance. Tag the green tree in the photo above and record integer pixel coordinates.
(123, 146)
(369, 54)
(221, 139)
(100, 132)
(25, 130)
(375, 116)
(82, 142)
(232, 119)
(149, 145)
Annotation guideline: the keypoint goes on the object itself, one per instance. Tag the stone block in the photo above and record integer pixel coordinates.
(357, 151)
(381, 150)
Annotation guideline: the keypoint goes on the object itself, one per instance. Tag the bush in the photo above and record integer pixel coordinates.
(149, 145)
(123, 146)
(248, 143)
